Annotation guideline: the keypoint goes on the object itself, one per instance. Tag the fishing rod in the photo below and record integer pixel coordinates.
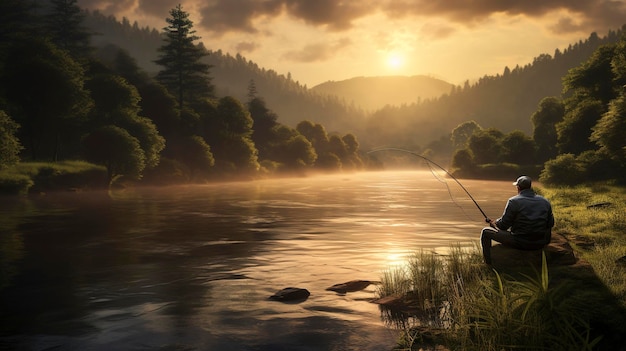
(435, 164)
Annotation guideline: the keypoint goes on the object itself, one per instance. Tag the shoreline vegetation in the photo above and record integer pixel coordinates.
(455, 302)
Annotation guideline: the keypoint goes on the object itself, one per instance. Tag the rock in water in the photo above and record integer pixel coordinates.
(291, 294)
(351, 286)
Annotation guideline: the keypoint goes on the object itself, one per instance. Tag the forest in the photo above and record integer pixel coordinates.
(60, 100)
(161, 108)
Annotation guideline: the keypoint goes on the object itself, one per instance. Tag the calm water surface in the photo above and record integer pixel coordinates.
(192, 267)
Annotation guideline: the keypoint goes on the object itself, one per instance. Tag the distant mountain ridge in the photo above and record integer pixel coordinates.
(374, 93)
(504, 101)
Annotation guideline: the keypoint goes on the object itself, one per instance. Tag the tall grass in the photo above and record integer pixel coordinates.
(604, 226)
(474, 308)
(25, 177)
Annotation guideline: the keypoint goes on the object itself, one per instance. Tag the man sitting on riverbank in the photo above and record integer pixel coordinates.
(529, 218)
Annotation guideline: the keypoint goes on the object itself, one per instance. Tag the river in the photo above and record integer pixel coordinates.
(192, 267)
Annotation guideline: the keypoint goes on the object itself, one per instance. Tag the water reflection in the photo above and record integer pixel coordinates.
(192, 267)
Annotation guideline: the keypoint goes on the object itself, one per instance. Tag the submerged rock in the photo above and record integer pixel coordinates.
(351, 286)
(291, 294)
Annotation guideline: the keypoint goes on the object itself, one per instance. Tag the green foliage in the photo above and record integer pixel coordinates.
(610, 131)
(519, 148)
(196, 154)
(461, 134)
(298, 152)
(564, 170)
(544, 120)
(64, 24)
(46, 95)
(575, 130)
(475, 310)
(9, 144)
(463, 160)
(27, 177)
(14, 184)
(184, 73)
(117, 150)
(593, 78)
(486, 145)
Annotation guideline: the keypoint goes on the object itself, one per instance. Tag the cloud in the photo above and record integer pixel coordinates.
(317, 52)
(220, 16)
(246, 46)
(223, 16)
(108, 6)
(158, 8)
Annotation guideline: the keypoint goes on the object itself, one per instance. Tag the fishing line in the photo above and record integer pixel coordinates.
(433, 163)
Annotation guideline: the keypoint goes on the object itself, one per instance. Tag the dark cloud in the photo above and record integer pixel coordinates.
(159, 8)
(222, 16)
(246, 46)
(317, 52)
(592, 14)
(336, 15)
(107, 6)
(237, 15)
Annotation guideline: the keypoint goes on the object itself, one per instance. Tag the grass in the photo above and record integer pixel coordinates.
(27, 177)
(455, 301)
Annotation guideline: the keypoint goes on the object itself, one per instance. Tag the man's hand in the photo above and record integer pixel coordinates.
(490, 221)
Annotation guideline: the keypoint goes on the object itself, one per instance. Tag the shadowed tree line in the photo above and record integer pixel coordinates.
(62, 99)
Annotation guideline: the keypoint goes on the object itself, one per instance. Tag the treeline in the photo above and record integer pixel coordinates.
(504, 101)
(231, 74)
(62, 99)
(577, 137)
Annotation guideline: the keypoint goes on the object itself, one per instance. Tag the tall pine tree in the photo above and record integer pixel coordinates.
(64, 25)
(184, 74)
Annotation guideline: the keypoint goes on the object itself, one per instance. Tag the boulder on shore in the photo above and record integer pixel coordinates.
(558, 253)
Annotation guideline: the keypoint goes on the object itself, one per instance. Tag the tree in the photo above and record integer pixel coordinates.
(117, 150)
(461, 134)
(574, 132)
(463, 160)
(184, 74)
(315, 133)
(9, 144)
(232, 144)
(593, 78)
(485, 146)
(196, 154)
(550, 112)
(264, 123)
(518, 148)
(610, 131)
(565, 169)
(17, 18)
(46, 96)
(117, 103)
(298, 152)
(64, 26)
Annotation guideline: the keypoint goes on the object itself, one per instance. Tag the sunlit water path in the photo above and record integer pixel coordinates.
(192, 267)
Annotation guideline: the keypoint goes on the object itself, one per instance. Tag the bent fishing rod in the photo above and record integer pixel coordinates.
(443, 169)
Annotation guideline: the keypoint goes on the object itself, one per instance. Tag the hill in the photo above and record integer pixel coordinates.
(504, 101)
(373, 93)
(290, 100)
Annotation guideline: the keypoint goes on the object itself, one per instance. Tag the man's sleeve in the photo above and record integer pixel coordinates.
(506, 221)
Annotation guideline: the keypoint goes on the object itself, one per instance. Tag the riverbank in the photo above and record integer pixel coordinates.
(576, 299)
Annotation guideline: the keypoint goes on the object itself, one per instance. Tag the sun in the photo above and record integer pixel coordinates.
(395, 61)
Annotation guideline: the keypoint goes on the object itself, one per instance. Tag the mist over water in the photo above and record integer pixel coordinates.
(192, 267)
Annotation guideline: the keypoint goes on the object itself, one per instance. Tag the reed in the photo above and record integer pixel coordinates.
(473, 308)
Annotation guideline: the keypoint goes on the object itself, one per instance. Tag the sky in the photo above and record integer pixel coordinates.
(331, 40)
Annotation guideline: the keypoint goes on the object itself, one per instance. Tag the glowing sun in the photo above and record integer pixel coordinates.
(395, 61)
